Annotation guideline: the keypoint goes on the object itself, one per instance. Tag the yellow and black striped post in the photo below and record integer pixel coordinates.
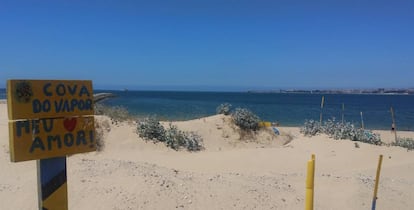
(52, 187)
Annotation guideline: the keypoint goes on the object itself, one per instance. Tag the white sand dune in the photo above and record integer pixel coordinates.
(230, 173)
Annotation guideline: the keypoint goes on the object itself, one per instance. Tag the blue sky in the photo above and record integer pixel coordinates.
(210, 44)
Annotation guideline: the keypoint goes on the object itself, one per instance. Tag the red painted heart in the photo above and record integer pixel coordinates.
(69, 124)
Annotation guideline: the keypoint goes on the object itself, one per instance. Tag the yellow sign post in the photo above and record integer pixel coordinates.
(49, 119)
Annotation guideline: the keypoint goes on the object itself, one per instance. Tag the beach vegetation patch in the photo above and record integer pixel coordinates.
(311, 128)
(116, 113)
(339, 130)
(151, 129)
(224, 108)
(245, 119)
(176, 139)
(407, 143)
(101, 128)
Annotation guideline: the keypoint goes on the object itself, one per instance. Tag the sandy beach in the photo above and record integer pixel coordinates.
(229, 173)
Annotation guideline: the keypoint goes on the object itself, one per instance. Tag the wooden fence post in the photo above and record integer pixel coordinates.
(393, 126)
(374, 199)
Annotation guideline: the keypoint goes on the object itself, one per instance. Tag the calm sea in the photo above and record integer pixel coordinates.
(287, 109)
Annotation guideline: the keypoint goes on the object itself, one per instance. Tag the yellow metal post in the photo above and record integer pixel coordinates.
(374, 199)
(310, 184)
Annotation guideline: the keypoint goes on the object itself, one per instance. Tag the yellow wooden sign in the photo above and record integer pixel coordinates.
(35, 99)
(50, 137)
(49, 118)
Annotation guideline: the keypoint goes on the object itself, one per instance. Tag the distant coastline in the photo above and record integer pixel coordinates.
(377, 91)
(372, 91)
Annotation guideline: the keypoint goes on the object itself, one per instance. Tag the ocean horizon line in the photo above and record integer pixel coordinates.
(345, 91)
(235, 88)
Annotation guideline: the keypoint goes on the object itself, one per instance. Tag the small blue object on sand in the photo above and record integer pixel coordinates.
(276, 130)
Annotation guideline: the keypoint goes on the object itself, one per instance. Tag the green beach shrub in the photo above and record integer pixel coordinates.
(245, 119)
(407, 143)
(367, 136)
(224, 109)
(311, 128)
(151, 129)
(330, 127)
(193, 142)
(176, 139)
(339, 130)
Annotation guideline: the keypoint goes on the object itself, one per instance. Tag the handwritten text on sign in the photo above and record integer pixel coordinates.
(38, 139)
(34, 99)
(50, 118)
